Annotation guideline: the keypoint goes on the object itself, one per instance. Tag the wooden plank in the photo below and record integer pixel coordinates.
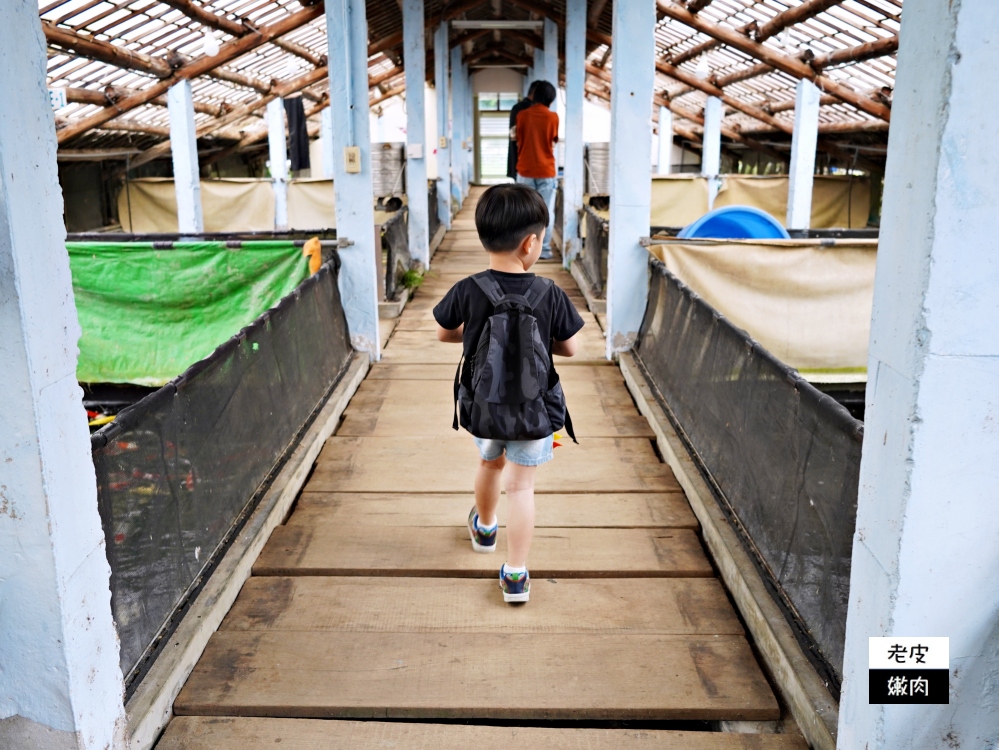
(584, 393)
(330, 550)
(613, 510)
(604, 370)
(386, 464)
(459, 675)
(663, 606)
(419, 347)
(229, 733)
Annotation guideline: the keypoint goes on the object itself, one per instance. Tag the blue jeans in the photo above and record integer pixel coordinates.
(521, 452)
(545, 186)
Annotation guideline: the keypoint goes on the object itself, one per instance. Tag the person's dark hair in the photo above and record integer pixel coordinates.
(544, 93)
(507, 213)
(531, 89)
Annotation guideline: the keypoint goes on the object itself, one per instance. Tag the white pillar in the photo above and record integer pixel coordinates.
(925, 553)
(572, 175)
(441, 84)
(277, 142)
(326, 126)
(414, 55)
(665, 140)
(630, 170)
(711, 147)
(803, 143)
(347, 31)
(551, 55)
(184, 147)
(60, 683)
(457, 128)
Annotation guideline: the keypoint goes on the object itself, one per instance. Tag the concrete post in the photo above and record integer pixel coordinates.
(60, 683)
(551, 55)
(326, 125)
(711, 147)
(468, 127)
(540, 69)
(277, 142)
(665, 140)
(572, 175)
(184, 147)
(414, 55)
(803, 143)
(630, 170)
(347, 31)
(529, 78)
(457, 128)
(924, 553)
(443, 135)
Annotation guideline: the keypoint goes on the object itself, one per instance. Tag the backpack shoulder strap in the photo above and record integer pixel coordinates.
(489, 286)
(537, 291)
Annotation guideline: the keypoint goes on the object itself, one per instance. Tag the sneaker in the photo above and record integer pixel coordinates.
(482, 541)
(545, 255)
(516, 586)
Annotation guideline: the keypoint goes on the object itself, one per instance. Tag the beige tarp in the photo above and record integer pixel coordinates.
(311, 204)
(837, 202)
(232, 205)
(677, 200)
(808, 304)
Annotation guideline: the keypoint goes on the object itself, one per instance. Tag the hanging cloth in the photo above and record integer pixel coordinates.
(298, 133)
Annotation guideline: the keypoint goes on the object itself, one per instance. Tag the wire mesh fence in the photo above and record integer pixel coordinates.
(594, 255)
(783, 458)
(178, 472)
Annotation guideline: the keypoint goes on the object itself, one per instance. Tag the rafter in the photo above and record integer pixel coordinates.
(112, 94)
(789, 65)
(596, 11)
(112, 54)
(229, 51)
(868, 51)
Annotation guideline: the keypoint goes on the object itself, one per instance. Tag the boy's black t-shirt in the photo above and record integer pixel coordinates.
(466, 303)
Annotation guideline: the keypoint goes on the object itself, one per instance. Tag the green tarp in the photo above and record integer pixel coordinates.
(147, 314)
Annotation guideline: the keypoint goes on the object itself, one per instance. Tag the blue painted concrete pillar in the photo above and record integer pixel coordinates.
(551, 55)
(540, 70)
(457, 129)
(326, 129)
(528, 80)
(630, 170)
(347, 32)
(665, 140)
(572, 175)
(711, 147)
(441, 84)
(60, 683)
(803, 144)
(469, 110)
(414, 55)
(277, 143)
(184, 146)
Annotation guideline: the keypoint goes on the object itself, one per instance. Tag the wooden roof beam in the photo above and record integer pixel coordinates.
(596, 11)
(112, 94)
(112, 54)
(696, 6)
(547, 11)
(792, 66)
(229, 51)
(860, 53)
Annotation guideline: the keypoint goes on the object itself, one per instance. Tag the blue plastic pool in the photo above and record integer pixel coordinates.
(736, 223)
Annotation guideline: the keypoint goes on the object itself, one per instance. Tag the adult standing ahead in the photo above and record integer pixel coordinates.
(537, 134)
(511, 154)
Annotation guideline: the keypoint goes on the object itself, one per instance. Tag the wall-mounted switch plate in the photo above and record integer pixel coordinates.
(352, 159)
(414, 151)
(443, 142)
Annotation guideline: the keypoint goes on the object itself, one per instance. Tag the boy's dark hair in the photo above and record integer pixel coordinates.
(507, 213)
(544, 93)
(531, 89)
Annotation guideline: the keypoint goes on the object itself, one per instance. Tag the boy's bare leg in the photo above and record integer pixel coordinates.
(520, 515)
(487, 489)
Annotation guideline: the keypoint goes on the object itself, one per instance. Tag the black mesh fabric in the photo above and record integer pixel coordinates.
(783, 457)
(434, 219)
(395, 243)
(179, 471)
(594, 254)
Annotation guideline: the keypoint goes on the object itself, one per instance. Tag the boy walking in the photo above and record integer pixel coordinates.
(537, 134)
(510, 322)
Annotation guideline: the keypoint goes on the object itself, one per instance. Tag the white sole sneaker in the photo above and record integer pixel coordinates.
(514, 598)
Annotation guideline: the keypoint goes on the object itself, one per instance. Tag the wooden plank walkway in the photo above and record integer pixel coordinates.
(368, 603)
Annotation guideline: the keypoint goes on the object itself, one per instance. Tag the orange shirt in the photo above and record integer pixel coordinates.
(537, 131)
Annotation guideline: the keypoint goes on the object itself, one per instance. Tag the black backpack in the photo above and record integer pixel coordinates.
(511, 390)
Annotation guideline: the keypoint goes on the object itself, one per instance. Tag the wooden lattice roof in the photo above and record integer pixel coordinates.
(116, 58)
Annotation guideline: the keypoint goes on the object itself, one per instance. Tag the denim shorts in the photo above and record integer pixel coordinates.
(520, 452)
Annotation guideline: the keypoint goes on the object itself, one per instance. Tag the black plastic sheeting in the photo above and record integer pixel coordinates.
(179, 472)
(395, 245)
(783, 457)
(434, 219)
(594, 254)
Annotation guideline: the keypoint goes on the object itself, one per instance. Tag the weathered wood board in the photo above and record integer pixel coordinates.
(228, 733)
(625, 606)
(448, 464)
(613, 510)
(604, 370)
(457, 675)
